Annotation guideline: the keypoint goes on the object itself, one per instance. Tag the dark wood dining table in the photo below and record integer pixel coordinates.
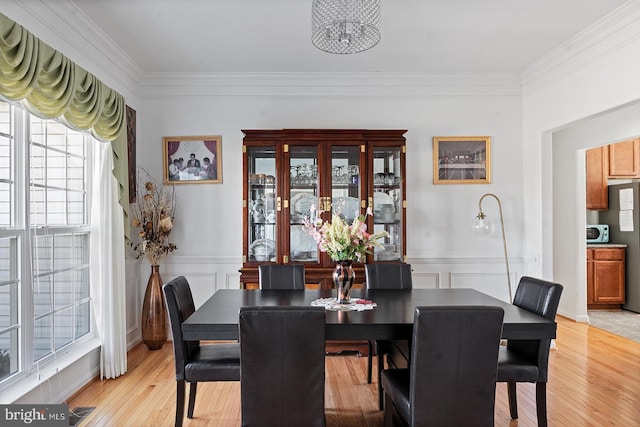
(392, 318)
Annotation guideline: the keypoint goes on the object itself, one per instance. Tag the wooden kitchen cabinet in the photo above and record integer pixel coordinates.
(624, 159)
(597, 167)
(614, 161)
(605, 277)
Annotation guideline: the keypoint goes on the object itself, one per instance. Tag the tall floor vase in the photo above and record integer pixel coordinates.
(154, 312)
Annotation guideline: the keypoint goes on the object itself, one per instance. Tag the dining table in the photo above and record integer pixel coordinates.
(388, 315)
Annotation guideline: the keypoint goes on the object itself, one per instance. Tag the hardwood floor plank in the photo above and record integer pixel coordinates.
(593, 381)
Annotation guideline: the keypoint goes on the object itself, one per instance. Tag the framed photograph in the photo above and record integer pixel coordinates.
(461, 159)
(192, 159)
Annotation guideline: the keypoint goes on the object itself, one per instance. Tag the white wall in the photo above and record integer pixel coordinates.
(208, 225)
(594, 75)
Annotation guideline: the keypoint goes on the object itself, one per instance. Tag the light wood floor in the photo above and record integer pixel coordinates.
(594, 380)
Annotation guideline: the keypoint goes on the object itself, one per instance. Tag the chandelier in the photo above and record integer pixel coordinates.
(345, 26)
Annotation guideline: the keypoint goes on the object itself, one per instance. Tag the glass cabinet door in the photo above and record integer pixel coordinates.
(262, 204)
(304, 193)
(387, 201)
(345, 181)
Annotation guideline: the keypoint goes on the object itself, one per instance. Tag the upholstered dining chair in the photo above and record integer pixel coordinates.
(282, 366)
(281, 276)
(194, 362)
(528, 360)
(451, 380)
(384, 276)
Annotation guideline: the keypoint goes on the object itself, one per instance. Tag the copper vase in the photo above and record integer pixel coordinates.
(154, 312)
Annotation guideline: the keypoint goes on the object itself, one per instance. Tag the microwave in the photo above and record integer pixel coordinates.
(597, 233)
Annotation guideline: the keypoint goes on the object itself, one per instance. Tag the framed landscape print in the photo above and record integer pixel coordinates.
(461, 159)
(192, 159)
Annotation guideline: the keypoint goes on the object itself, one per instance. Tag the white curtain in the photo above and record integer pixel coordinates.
(107, 265)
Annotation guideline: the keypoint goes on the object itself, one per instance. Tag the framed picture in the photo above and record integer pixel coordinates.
(192, 159)
(131, 151)
(461, 159)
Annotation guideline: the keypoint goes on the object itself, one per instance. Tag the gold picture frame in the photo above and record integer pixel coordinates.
(192, 159)
(461, 159)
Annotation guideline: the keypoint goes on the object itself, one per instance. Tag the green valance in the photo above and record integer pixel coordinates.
(52, 86)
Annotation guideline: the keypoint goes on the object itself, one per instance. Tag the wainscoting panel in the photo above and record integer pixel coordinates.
(133, 300)
(487, 275)
(425, 280)
(493, 284)
(205, 275)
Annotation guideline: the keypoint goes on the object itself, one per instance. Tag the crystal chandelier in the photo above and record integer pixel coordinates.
(345, 26)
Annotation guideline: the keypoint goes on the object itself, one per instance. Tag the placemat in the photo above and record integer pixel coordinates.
(356, 304)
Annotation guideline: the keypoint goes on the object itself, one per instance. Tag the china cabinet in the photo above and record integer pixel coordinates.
(295, 175)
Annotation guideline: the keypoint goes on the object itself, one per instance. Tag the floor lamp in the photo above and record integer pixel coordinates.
(485, 227)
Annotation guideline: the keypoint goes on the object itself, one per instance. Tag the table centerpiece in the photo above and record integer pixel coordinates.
(344, 243)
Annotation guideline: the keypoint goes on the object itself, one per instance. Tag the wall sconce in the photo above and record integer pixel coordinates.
(485, 227)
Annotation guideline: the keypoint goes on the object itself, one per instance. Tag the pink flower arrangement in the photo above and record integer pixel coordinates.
(343, 242)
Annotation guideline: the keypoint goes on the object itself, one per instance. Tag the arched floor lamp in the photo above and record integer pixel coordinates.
(485, 227)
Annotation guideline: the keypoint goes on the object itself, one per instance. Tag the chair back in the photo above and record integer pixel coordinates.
(454, 365)
(394, 275)
(180, 306)
(540, 297)
(282, 366)
(285, 276)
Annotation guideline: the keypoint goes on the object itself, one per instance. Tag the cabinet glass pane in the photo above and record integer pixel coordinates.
(304, 185)
(387, 202)
(345, 182)
(262, 203)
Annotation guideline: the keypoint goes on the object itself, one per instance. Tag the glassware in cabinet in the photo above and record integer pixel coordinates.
(262, 204)
(304, 193)
(388, 200)
(346, 193)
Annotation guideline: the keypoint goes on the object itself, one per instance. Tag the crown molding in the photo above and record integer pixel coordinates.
(362, 85)
(63, 26)
(607, 35)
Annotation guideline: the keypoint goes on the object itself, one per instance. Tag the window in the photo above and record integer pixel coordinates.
(44, 239)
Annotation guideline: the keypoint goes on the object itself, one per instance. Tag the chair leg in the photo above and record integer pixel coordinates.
(369, 360)
(179, 402)
(541, 404)
(380, 392)
(193, 387)
(388, 412)
(392, 417)
(513, 400)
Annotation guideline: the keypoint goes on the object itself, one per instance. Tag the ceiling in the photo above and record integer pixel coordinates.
(427, 36)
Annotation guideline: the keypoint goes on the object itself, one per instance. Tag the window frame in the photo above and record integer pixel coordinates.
(22, 229)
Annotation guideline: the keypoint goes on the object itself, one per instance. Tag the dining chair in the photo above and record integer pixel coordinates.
(282, 366)
(528, 360)
(281, 276)
(394, 275)
(194, 362)
(451, 380)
